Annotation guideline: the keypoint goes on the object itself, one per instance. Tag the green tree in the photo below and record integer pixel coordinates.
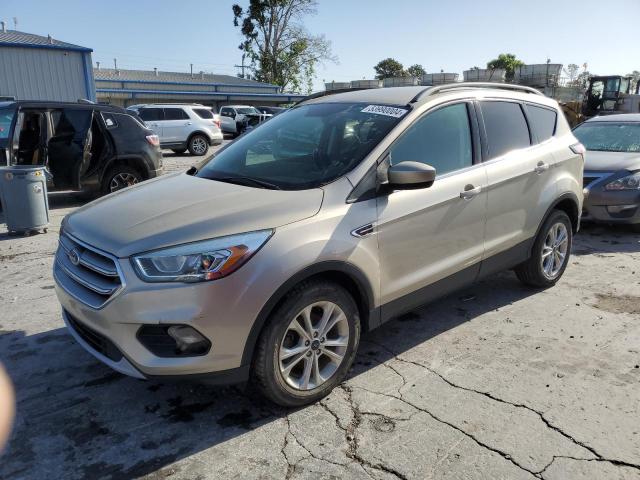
(280, 49)
(507, 62)
(389, 67)
(571, 71)
(582, 80)
(416, 70)
(635, 78)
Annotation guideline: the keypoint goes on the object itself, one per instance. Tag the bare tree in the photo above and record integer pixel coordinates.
(281, 50)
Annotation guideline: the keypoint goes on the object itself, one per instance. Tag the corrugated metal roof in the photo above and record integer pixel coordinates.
(16, 38)
(174, 77)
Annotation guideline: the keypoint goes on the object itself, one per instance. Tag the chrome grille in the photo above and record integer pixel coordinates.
(86, 273)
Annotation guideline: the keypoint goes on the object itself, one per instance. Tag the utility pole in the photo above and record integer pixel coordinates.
(242, 67)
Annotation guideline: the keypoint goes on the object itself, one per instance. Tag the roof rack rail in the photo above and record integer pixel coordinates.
(324, 93)
(454, 86)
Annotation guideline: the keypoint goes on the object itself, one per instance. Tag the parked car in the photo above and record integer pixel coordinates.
(612, 168)
(270, 110)
(192, 127)
(85, 146)
(235, 119)
(268, 263)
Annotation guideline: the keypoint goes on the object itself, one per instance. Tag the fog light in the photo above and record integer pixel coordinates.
(188, 340)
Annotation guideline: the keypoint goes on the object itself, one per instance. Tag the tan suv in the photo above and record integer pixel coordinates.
(322, 223)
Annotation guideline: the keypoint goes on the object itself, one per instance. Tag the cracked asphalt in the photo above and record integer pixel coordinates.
(494, 382)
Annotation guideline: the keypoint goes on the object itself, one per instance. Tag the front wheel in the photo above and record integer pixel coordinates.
(198, 145)
(550, 254)
(308, 345)
(120, 177)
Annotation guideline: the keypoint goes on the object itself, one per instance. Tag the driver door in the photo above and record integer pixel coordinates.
(69, 146)
(431, 240)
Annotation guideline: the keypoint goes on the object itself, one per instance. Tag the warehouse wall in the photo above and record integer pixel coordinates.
(45, 74)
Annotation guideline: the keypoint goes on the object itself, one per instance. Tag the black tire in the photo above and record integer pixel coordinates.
(531, 272)
(124, 170)
(266, 365)
(198, 145)
(178, 151)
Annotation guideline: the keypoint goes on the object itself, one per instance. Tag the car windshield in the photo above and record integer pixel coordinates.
(309, 146)
(248, 111)
(6, 117)
(609, 136)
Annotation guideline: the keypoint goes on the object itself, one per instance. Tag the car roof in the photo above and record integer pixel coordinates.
(54, 104)
(167, 105)
(620, 117)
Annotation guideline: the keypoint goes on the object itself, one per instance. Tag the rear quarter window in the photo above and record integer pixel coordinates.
(505, 126)
(203, 113)
(542, 122)
(109, 120)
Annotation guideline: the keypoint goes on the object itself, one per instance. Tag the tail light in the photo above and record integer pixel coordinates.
(153, 140)
(216, 123)
(578, 148)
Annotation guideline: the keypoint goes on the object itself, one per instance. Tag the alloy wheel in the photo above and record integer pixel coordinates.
(314, 345)
(122, 180)
(554, 250)
(199, 145)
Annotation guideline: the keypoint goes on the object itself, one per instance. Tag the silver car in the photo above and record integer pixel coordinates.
(268, 263)
(612, 169)
(182, 127)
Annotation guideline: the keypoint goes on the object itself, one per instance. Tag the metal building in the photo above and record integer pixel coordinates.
(33, 67)
(129, 87)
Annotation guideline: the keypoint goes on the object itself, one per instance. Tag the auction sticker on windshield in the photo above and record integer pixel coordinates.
(384, 110)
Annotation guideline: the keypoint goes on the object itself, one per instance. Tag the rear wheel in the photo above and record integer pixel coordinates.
(550, 254)
(198, 145)
(308, 345)
(119, 177)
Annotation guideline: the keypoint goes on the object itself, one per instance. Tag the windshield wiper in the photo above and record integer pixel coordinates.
(247, 181)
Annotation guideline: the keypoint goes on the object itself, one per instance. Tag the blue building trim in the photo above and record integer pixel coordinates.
(221, 95)
(46, 47)
(204, 84)
(88, 77)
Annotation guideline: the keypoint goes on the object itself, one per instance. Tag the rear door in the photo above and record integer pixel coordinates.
(153, 118)
(434, 233)
(69, 145)
(520, 186)
(176, 125)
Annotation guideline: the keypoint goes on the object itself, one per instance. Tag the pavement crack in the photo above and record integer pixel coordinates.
(351, 436)
(555, 428)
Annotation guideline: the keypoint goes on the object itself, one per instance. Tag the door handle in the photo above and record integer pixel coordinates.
(470, 191)
(188, 123)
(541, 167)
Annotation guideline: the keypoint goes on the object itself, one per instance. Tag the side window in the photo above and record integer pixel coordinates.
(441, 139)
(224, 112)
(506, 127)
(175, 114)
(542, 121)
(151, 114)
(109, 120)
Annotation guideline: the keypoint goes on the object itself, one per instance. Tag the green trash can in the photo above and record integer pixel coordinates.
(23, 191)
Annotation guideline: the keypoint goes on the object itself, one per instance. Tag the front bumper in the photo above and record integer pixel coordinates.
(610, 206)
(218, 310)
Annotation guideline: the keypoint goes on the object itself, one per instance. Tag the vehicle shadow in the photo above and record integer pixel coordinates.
(597, 238)
(76, 417)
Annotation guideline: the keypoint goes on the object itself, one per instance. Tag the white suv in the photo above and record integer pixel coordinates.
(182, 127)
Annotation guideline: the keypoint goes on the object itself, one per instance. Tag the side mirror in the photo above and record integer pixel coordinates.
(408, 175)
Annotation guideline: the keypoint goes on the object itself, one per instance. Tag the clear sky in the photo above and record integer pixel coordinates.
(452, 35)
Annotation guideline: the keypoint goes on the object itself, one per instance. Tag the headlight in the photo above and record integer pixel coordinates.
(200, 261)
(630, 182)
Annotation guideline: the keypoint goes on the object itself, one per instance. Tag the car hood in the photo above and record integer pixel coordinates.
(611, 161)
(181, 208)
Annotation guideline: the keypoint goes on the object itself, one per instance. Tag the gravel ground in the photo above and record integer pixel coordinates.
(496, 381)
